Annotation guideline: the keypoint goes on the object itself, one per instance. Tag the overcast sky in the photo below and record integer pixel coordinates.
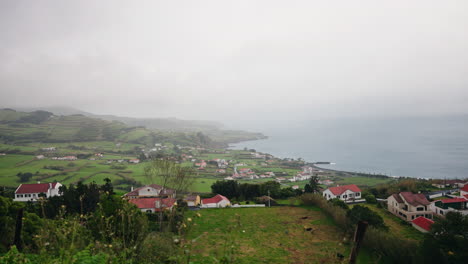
(239, 60)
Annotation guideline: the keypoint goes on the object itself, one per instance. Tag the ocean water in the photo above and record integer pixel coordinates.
(430, 147)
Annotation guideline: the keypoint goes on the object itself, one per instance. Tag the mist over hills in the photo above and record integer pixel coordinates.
(151, 123)
(68, 124)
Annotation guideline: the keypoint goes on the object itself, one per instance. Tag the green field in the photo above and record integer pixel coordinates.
(266, 235)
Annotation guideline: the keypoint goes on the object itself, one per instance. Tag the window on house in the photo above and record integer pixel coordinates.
(358, 194)
(345, 196)
(419, 208)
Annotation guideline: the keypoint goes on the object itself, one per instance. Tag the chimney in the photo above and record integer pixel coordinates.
(38, 182)
(131, 188)
(158, 203)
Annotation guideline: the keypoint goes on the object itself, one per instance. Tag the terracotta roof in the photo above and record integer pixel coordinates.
(35, 188)
(216, 199)
(414, 199)
(465, 188)
(466, 196)
(423, 222)
(454, 200)
(147, 203)
(341, 189)
(397, 198)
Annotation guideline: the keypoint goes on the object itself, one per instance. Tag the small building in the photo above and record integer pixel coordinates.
(134, 161)
(422, 224)
(152, 190)
(193, 200)
(442, 207)
(31, 192)
(218, 201)
(409, 206)
(464, 190)
(154, 204)
(347, 193)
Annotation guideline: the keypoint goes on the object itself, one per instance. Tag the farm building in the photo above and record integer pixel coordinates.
(151, 205)
(422, 224)
(193, 200)
(30, 192)
(218, 201)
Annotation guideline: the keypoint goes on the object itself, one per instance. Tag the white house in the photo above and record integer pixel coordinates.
(218, 201)
(152, 190)
(30, 192)
(347, 193)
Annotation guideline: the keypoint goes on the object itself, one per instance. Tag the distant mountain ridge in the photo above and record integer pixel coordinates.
(173, 124)
(45, 126)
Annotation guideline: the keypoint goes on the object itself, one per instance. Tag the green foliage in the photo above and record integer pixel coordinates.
(24, 177)
(248, 191)
(370, 198)
(339, 203)
(447, 241)
(362, 213)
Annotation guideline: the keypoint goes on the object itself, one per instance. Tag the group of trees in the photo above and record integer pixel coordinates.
(247, 191)
(24, 176)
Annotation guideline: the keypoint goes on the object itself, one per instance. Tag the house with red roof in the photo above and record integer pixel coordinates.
(409, 206)
(464, 190)
(153, 204)
(422, 224)
(347, 193)
(152, 190)
(31, 192)
(458, 204)
(218, 201)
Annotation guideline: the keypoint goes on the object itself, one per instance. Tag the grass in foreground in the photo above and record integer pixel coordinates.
(266, 235)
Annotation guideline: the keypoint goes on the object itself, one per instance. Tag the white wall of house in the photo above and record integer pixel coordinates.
(347, 195)
(221, 204)
(148, 191)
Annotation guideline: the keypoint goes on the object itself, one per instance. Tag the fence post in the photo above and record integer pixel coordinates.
(358, 237)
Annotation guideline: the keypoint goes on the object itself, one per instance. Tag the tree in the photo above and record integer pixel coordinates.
(24, 177)
(169, 174)
(307, 188)
(314, 184)
(446, 242)
(339, 203)
(362, 213)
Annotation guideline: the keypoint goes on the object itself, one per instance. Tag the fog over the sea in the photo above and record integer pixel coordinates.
(240, 62)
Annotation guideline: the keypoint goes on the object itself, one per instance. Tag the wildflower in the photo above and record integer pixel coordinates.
(63, 206)
(450, 253)
(189, 219)
(110, 245)
(198, 214)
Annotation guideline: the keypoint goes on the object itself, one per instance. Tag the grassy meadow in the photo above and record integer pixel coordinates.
(267, 235)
